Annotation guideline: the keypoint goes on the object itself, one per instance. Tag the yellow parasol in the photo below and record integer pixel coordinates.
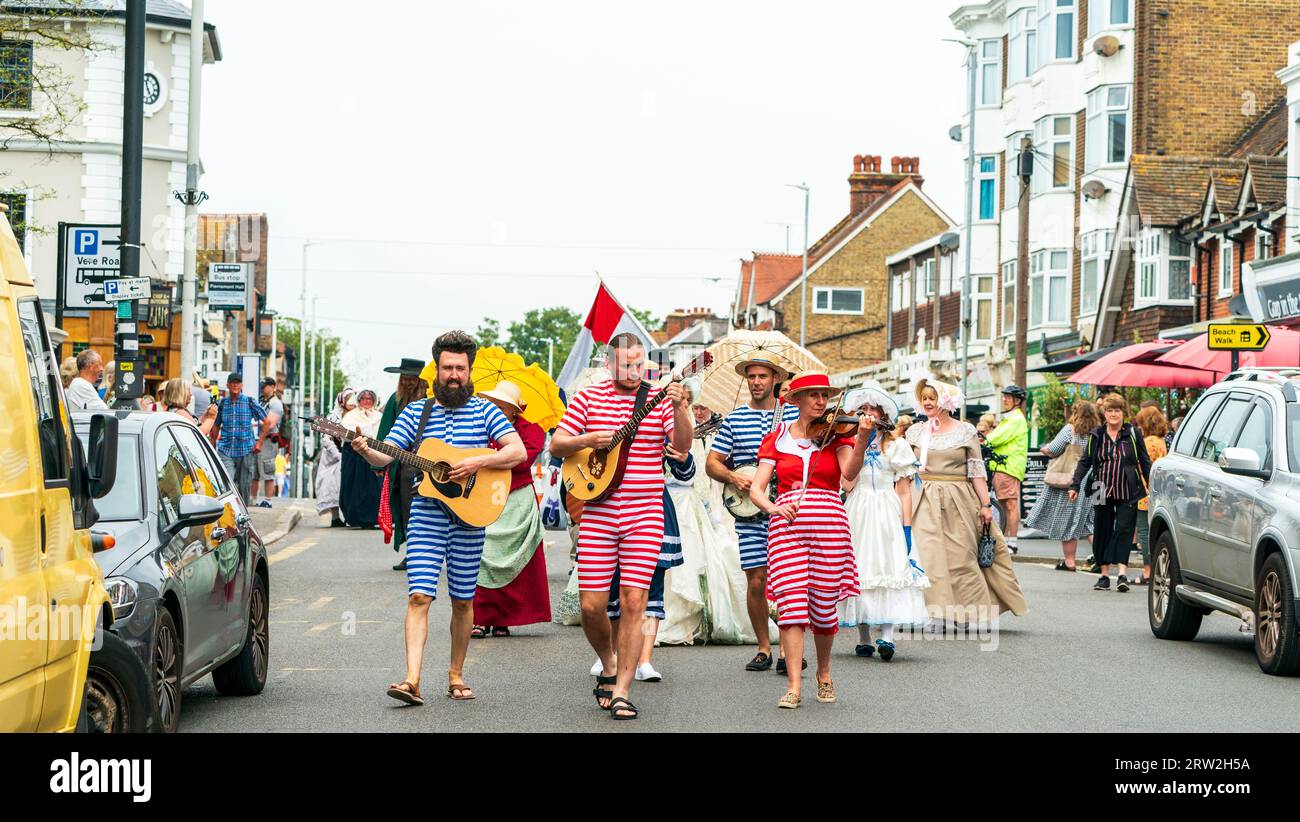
(541, 396)
(724, 389)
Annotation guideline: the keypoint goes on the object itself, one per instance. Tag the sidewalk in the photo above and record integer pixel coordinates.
(274, 524)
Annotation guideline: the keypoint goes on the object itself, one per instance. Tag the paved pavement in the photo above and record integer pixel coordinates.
(1080, 660)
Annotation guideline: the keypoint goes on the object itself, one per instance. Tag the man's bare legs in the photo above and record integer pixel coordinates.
(756, 605)
(462, 622)
(417, 631)
(598, 629)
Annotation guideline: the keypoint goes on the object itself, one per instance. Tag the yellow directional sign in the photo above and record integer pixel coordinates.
(1236, 337)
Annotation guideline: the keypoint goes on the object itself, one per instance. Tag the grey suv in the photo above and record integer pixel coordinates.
(1225, 516)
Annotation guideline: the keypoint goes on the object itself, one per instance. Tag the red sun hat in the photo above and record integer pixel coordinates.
(808, 381)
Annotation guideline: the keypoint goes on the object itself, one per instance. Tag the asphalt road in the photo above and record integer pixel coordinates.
(1079, 661)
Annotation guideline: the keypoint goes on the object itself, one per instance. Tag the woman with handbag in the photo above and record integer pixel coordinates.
(1054, 513)
(952, 516)
(1116, 457)
(1155, 428)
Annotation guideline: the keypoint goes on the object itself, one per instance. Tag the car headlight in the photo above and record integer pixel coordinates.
(121, 593)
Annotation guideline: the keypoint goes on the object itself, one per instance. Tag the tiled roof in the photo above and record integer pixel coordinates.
(775, 272)
(1169, 190)
(1266, 136)
(1268, 181)
(1227, 188)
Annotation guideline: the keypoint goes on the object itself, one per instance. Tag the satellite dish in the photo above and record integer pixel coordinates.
(1094, 189)
(949, 241)
(954, 133)
(1106, 46)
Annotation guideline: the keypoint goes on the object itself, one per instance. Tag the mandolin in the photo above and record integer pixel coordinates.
(592, 474)
(477, 501)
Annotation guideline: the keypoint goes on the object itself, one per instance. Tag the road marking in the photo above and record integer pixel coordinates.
(320, 603)
(284, 603)
(291, 551)
(317, 630)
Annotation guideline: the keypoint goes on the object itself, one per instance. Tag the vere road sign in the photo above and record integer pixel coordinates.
(128, 288)
(1236, 337)
(91, 257)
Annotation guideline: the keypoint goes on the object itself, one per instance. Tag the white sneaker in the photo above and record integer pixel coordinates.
(597, 667)
(646, 672)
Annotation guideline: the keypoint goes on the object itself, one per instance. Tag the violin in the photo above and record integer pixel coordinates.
(833, 424)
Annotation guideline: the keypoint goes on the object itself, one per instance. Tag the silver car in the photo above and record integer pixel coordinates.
(1225, 516)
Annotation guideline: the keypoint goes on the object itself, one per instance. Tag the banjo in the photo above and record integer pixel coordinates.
(736, 501)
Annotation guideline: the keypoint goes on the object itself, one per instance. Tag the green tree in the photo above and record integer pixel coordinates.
(1051, 406)
(529, 336)
(287, 332)
(488, 333)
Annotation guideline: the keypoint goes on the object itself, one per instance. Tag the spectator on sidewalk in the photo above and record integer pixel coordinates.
(1054, 513)
(274, 408)
(1155, 430)
(236, 434)
(82, 394)
(1010, 444)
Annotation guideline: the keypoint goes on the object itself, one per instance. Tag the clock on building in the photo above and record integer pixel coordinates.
(152, 89)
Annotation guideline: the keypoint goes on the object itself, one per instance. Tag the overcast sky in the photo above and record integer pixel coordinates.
(495, 156)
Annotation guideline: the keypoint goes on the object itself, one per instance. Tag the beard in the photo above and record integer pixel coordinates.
(453, 395)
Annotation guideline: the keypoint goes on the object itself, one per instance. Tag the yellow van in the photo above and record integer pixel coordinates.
(52, 598)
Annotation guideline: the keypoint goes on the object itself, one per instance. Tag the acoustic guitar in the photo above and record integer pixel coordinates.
(592, 474)
(477, 501)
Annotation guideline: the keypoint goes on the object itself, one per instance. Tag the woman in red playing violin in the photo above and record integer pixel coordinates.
(811, 566)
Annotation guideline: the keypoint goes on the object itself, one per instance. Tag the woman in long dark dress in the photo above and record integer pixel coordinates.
(361, 484)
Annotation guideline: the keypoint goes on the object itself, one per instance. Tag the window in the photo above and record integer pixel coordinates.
(1225, 267)
(837, 300)
(1054, 153)
(17, 203)
(1107, 134)
(1109, 14)
(211, 479)
(947, 274)
(1056, 33)
(928, 278)
(1009, 297)
(16, 75)
(1189, 433)
(173, 477)
(1093, 247)
(123, 502)
(982, 308)
(1013, 179)
(986, 181)
(1164, 268)
(42, 372)
(1257, 435)
(909, 299)
(1022, 45)
(1223, 430)
(1049, 288)
(1263, 244)
(990, 72)
(896, 293)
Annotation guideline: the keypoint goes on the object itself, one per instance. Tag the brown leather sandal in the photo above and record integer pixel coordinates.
(458, 692)
(406, 691)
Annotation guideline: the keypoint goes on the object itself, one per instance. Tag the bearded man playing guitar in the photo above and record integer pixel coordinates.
(737, 442)
(625, 530)
(462, 420)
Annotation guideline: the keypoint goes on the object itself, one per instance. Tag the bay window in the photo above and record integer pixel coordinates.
(1056, 32)
(986, 182)
(1093, 248)
(1009, 297)
(1163, 268)
(1054, 143)
(990, 72)
(982, 308)
(1225, 267)
(1109, 14)
(1107, 138)
(1022, 46)
(1049, 288)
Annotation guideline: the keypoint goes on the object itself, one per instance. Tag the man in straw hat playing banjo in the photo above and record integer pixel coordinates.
(737, 443)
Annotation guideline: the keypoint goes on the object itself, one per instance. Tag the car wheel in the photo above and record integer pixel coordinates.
(117, 690)
(1277, 640)
(167, 656)
(1170, 617)
(245, 675)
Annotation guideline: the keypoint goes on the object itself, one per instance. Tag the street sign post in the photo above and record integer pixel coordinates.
(89, 256)
(1236, 337)
(228, 286)
(133, 288)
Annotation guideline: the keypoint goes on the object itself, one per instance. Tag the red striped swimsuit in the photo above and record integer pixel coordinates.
(626, 530)
(810, 562)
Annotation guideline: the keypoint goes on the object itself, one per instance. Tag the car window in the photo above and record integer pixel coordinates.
(1223, 430)
(1293, 436)
(211, 482)
(173, 476)
(1189, 433)
(124, 501)
(41, 368)
(1257, 434)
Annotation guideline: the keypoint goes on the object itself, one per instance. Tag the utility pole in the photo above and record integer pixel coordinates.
(192, 197)
(803, 294)
(129, 385)
(966, 325)
(1025, 169)
(300, 394)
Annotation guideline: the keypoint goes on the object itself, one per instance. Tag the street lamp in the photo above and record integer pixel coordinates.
(803, 294)
(301, 391)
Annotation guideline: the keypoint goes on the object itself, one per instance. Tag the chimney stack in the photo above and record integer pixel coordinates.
(868, 183)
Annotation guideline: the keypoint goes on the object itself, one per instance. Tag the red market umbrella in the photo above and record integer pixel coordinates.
(1134, 366)
(1283, 349)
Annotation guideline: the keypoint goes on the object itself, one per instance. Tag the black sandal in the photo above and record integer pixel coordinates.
(604, 693)
(760, 662)
(500, 631)
(622, 704)
(478, 632)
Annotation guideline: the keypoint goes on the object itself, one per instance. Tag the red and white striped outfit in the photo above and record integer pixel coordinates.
(626, 530)
(810, 562)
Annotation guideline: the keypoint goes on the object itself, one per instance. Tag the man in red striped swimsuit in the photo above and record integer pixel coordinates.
(624, 531)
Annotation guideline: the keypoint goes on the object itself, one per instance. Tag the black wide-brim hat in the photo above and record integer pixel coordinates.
(409, 366)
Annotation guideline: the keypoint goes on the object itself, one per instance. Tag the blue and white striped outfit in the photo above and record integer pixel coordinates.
(738, 439)
(670, 551)
(432, 535)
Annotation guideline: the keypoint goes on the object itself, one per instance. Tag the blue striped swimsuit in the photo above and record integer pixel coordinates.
(432, 535)
(738, 438)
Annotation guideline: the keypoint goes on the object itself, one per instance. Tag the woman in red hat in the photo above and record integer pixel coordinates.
(811, 566)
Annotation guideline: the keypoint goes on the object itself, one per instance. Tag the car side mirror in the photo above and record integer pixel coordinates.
(101, 465)
(1243, 462)
(195, 510)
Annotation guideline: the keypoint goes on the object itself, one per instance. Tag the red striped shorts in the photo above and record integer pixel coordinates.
(624, 533)
(810, 562)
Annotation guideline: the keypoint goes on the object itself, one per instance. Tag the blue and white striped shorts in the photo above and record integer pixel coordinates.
(432, 537)
(753, 544)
